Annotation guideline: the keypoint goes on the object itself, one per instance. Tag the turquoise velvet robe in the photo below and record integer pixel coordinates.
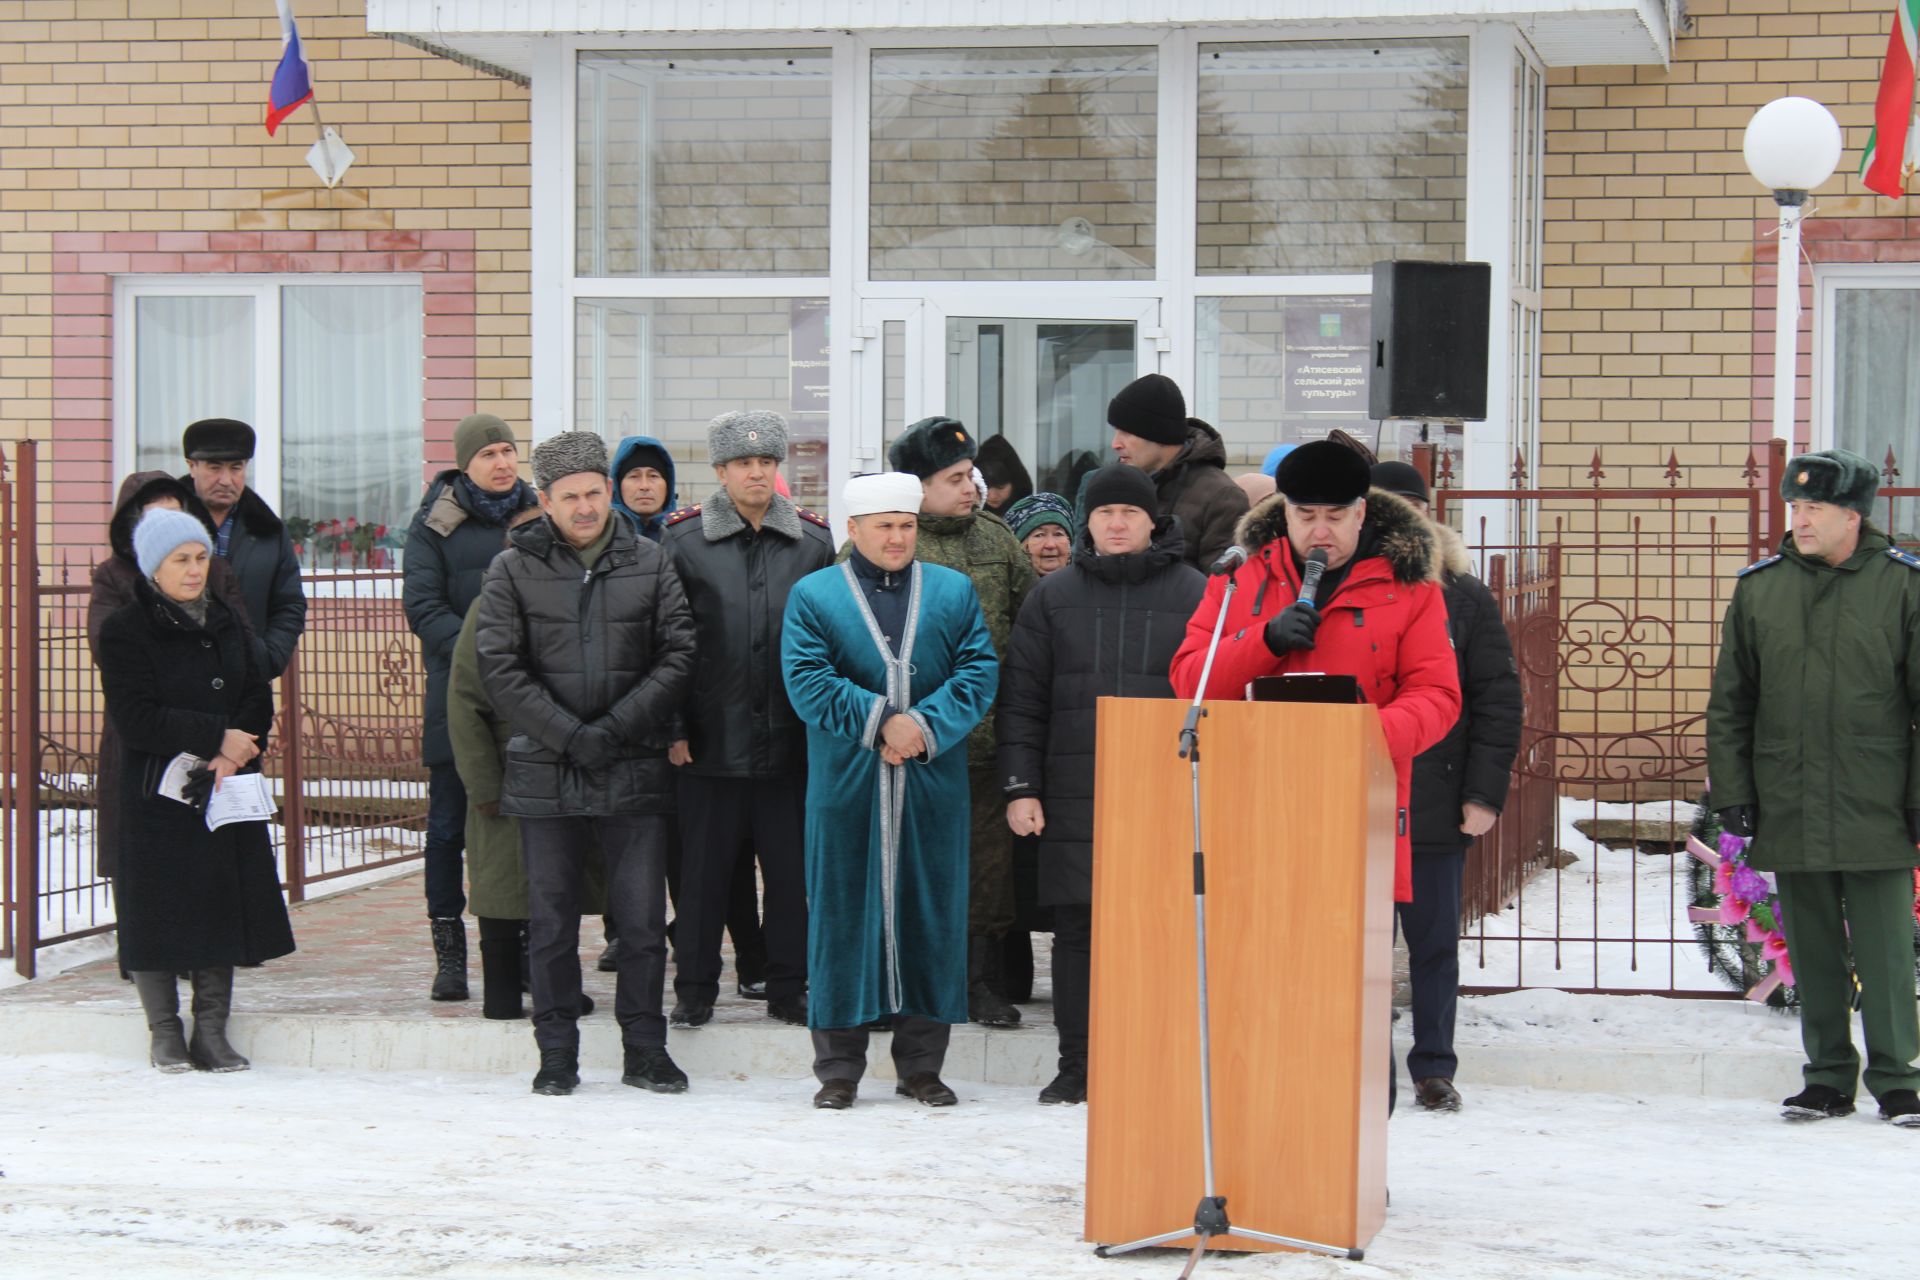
(886, 844)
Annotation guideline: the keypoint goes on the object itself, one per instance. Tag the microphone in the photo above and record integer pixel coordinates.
(1232, 558)
(1310, 582)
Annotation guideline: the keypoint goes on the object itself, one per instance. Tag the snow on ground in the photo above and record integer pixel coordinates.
(111, 1169)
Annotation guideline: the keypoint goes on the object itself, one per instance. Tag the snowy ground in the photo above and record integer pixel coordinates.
(117, 1170)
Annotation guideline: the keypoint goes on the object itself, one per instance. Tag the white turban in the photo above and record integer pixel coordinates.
(886, 491)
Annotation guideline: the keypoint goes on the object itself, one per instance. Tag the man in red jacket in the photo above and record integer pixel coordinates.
(1379, 615)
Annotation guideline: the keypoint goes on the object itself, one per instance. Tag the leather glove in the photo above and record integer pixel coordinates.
(1744, 820)
(198, 788)
(1913, 825)
(1293, 628)
(593, 747)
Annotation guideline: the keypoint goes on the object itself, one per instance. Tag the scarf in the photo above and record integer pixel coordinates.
(494, 508)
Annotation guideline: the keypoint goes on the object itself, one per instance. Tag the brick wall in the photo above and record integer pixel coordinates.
(131, 140)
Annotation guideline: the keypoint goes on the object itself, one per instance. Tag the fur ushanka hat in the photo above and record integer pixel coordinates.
(1832, 475)
(930, 446)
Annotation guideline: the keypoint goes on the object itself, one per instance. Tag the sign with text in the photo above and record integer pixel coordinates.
(1326, 357)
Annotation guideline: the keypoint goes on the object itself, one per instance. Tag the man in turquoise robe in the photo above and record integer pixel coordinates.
(889, 664)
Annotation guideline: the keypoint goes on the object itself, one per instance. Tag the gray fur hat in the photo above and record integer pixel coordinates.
(567, 454)
(747, 433)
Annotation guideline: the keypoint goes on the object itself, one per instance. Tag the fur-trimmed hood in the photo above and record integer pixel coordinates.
(1400, 535)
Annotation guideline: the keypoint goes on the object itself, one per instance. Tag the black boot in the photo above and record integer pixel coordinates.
(500, 970)
(1016, 966)
(984, 1005)
(450, 957)
(160, 998)
(212, 1002)
(559, 1073)
(1069, 1087)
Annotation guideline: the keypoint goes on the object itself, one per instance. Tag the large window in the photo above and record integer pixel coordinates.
(327, 372)
(1870, 368)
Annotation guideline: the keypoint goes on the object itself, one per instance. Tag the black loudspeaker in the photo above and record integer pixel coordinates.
(1430, 340)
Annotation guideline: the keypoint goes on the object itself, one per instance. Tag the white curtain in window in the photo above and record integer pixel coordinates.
(193, 359)
(351, 429)
(1876, 375)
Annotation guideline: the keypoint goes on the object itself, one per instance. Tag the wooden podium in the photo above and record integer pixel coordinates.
(1297, 813)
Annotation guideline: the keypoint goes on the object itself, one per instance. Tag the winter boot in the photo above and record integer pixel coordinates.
(212, 1002)
(1069, 1088)
(1817, 1102)
(500, 978)
(984, 1005)
(160, 998)
(559, 1073)
(1901, 1107)
(652, 1069)
(450, 957)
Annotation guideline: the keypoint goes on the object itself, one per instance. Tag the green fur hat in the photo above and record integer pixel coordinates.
(930, 446)
(1832, 475)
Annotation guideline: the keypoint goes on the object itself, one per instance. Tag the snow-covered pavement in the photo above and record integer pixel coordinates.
(111, 1169)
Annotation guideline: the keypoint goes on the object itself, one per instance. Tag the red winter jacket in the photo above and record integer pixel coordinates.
(1385, 624)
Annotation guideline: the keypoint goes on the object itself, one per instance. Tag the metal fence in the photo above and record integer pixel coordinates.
(344, 751)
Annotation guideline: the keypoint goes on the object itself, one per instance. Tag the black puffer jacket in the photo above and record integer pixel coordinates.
(1474, 761)
(1104, 626)
(563, 647)
(449, 546)
(739, 723)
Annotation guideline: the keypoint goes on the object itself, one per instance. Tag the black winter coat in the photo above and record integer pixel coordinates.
(186, 897)
(739, 723)
(449, 547)
(1103, 626)
(562, 647)
(1475, 760)
(262, 557)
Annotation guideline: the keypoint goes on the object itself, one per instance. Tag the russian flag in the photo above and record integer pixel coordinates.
(291, 86)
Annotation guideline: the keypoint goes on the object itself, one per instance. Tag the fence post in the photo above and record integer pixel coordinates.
(26, 711)
(293, 810)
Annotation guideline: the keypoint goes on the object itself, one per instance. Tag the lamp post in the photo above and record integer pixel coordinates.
(1791, 146)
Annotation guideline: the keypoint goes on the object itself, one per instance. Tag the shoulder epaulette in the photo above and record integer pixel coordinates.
(813, 517)
(1905, 557)
(684, 513)
(1757, 566)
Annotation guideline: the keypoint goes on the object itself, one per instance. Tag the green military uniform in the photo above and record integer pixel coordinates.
(1812, 722)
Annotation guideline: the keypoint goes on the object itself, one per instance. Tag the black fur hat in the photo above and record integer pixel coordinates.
(1832, 475)
(930, 446)
(217, 440)
(1323, 473)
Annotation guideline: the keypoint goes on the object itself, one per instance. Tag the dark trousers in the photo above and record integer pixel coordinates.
(1072, 981)
(721, 818)
(743, 913)
(633, 848)
(446, 840)
(990, 908)
(1431, 926)
(919, 1044)
(1868, 915)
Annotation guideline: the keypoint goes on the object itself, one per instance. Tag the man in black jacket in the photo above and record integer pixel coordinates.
(251, 538)
(585, 646)
(1459, 786)
(743, 758)
(460, 527)
(1107, 625)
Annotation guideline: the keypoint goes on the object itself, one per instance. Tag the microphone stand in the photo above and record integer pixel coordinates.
(1210, 1217)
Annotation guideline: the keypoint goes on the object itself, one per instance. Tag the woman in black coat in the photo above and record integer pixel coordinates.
(179, 676)
(1107, 625)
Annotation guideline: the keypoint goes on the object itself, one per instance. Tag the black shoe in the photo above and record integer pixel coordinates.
(212, 1002)
(927, 1089)
(586, 1005)
(985, 1005)
(691, 1013)
(559, 1073)
(1818, 1102)
(835, 1095)
(652, 1069)
(1436, 1093)
(450, 959)
(750, 989)
(1901, 1107)
(1067, 1089)
(789, 1009)
(609, 961)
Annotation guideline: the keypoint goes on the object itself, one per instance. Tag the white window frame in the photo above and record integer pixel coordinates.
(264, 473)
(1828, 280)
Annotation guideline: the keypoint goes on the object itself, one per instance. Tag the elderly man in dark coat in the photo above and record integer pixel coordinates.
(249, 536)
(460, 527)
(1107, 625)
(1185, 459)
(586, 645)
(1459, 788)
(1811, 754)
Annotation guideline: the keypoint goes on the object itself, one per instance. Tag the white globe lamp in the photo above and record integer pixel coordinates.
(1792, 146)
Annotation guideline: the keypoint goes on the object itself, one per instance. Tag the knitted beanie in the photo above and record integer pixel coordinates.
(477, 431)
(1039, 509)
(1152, 408)
(161, 532)
(1121, 485)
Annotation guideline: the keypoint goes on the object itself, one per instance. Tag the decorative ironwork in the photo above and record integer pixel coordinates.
(1673, 469)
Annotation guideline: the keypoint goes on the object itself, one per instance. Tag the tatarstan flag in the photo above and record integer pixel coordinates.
(1885, 167)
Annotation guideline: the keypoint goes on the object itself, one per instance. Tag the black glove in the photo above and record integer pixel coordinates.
(1913, 825)
(1293, 628)
(593, 746)
(1744, 820)
(198, 788)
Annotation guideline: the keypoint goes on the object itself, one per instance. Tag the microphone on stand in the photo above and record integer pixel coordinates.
(1232, 558)
(1310, 582)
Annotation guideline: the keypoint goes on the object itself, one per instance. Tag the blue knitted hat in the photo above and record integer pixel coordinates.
(161, 532)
